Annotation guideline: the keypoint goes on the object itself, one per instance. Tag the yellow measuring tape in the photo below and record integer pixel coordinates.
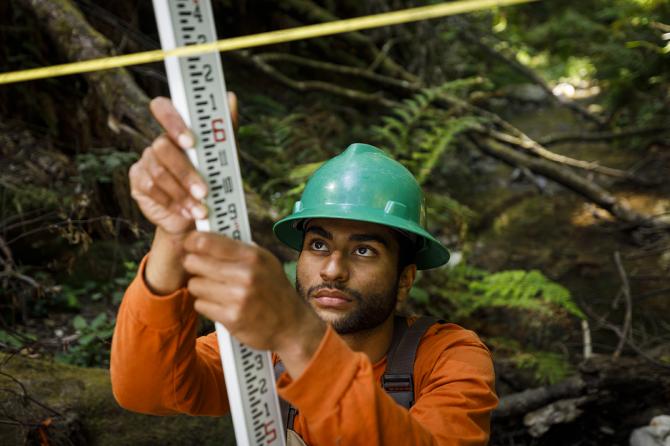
(269, 38)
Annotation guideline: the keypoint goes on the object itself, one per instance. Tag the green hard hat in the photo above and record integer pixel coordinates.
(363, 183)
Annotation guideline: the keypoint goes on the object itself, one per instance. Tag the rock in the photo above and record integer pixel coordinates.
(656, 434)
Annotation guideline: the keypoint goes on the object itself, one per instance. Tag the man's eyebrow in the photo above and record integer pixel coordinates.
(369, 238)
(318, 230)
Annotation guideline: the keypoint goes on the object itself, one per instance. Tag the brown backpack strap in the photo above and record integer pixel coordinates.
(399, 329)
(398, 379)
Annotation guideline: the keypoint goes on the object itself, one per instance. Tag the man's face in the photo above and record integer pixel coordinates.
(348, 272)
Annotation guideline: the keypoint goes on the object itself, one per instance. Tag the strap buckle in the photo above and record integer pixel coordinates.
(398, 382)
(400, 387)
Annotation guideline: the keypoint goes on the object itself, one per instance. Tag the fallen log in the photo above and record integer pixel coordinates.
(528, 400)
(602, 404)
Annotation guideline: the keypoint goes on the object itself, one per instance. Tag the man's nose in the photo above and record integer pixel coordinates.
(335, 268)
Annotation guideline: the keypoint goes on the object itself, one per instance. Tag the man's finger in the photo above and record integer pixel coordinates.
(232, 105)
(168, 117)
(168, 183)
(208, 290)
(143, 187)
(175, 160)
(218, 246)
(224, 272)
(214, 311)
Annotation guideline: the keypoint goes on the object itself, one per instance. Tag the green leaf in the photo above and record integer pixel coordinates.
(97, 296)
(99, 320)
(87, 338)
(79, 323)
(71, 300)
(106, 333)
(10, 340)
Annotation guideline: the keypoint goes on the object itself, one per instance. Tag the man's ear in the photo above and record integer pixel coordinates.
(405, 282)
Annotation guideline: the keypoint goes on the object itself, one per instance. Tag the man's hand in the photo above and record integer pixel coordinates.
(245, 288)
(163, 182)
(169, 190)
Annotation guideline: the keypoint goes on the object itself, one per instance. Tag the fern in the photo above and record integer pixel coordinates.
(464, 289)
(438, 143)
(529, 290)
(418, 133)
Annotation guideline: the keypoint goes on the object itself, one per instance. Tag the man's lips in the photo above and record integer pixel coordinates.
(335, 294)
(332, 298)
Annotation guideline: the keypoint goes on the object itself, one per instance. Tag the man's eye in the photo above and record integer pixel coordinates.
(364, 251)
(318, 245)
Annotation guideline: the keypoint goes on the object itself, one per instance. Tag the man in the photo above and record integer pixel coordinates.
(359, 233)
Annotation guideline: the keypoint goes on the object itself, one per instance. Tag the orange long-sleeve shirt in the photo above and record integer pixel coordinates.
(159, 366)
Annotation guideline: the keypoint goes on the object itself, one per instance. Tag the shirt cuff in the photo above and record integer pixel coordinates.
(326, 379)
(153, 310)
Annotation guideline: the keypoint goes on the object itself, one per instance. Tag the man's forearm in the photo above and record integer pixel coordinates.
(164, 272)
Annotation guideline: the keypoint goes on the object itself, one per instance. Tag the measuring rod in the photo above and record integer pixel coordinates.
(198, 92)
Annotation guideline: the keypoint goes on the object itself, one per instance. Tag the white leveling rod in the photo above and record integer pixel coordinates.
(198, 92)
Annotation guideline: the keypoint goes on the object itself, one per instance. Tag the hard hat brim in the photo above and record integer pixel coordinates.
(430, 255)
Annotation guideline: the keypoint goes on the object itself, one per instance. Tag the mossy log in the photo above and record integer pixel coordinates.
(44, 402)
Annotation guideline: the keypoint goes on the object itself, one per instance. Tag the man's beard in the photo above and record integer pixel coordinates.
(370, 311)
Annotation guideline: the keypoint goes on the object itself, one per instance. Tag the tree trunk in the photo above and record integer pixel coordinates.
(117, 91)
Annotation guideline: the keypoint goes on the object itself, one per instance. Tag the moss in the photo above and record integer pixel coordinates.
(85, 395)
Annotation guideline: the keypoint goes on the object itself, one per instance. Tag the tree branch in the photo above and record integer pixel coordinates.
(603, 136)
(569, 179)
(628, 318)
(341, 69)
(532, 146)
(315, 13)
(355, 95)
